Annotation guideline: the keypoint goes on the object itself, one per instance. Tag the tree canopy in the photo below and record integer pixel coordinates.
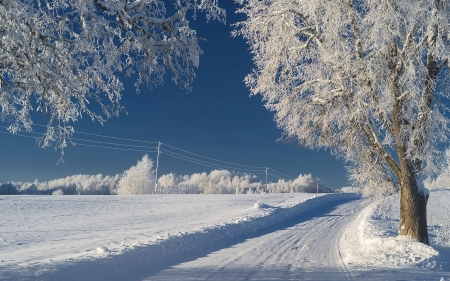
(366, 79)
(58, 56)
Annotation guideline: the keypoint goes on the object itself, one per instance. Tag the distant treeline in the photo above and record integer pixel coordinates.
(140, 179)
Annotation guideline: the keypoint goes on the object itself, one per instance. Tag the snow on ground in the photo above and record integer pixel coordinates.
(61, 237)
(372, 241)
(217, 237)
(302, 248)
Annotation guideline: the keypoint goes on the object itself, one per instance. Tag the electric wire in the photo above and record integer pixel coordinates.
(280, 173)
(197, 161)
(100, 142)
(116, 148)
(212, 158)
(82, 144)
(256, 170)
(103, 136)
(277, 177)
(218, 165)
(188, 160)
(19, 135)
(120, 144)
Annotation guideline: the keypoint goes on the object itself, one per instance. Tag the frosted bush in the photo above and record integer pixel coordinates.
(303, 183)
(169, 180)
(58, 192)
(441, 225)
(350, 189)
(139, 179)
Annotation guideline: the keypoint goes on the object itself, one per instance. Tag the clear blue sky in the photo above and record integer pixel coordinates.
(217, 119)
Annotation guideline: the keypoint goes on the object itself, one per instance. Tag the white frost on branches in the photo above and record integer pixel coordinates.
(226, 182)
(59, 56)
(139, 179)
(363, 78)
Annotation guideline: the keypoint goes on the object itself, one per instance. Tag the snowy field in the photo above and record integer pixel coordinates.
(39, 234)
(216, 237)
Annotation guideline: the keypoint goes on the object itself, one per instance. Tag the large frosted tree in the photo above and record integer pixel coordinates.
(60, 56)
(366, 79)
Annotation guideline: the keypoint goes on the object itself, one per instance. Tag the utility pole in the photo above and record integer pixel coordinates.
(157, 164)
(266, 179)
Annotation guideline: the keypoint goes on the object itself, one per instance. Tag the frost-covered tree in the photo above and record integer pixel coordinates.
(139, 179)
(364, 78)
(59, 56)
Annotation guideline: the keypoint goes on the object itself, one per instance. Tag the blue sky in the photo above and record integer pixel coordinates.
(217, 119)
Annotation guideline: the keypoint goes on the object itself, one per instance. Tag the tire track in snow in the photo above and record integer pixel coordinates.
(304, 248)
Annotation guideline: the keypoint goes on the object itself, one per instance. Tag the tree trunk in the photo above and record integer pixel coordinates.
(413, 207)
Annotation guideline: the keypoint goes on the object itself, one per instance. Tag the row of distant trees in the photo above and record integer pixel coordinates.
(140, 179)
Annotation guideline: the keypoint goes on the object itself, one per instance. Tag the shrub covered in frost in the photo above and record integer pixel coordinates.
(139, 179)
(58, 192)
(303, 183)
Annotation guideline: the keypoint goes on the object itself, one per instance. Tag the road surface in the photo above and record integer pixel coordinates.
(304, 248)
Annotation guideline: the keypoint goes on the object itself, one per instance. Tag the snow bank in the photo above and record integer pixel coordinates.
(128, 260)
(372, 240)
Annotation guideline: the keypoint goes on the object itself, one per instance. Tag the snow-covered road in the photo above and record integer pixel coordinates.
(303, 248)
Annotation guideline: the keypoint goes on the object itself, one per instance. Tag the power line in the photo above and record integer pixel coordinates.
(8, 133)
(218, 165)
(212, 158)
(275, 176)
(109, 143)
(82, 144)
(240, 167)
(103, 136)
(101, 142)
(115, 148)
(281, 173)
(204, 163)
(191, 160)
